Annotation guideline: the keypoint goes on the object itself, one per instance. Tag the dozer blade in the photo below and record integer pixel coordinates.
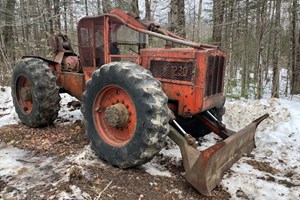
(205, 169)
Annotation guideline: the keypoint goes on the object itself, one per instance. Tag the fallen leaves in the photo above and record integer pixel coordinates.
(54, 139)
(262, 166)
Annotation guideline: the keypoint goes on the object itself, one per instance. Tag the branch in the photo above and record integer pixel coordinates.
(103, 190)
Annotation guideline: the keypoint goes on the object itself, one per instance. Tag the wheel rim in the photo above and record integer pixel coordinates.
(24, 95)
(114, 115)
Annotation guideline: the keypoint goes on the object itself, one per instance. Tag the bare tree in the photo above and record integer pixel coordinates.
(275, 80)
(148, 9)
(294, 59)
(135, 7)
(57, 15)
(86, 7)
(199, 20)
(260, 28)
(177, 17)
(106, 6)
(218, 18)
(8, 32)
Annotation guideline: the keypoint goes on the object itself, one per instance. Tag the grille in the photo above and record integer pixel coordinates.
(182, 71)
(214, 76)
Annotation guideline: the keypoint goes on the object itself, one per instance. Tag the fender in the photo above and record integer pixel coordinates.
(44, 59)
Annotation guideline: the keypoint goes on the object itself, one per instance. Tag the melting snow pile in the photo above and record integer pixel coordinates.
(276, 175)
(272, 171)
(7, 109)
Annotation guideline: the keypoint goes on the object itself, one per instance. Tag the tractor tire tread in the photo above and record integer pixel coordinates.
(155, 118)
(45, 92)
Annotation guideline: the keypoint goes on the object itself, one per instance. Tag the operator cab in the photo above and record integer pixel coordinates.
(105, 39)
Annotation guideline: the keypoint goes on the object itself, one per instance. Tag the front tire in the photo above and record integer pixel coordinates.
(34, 92)
(126, 114)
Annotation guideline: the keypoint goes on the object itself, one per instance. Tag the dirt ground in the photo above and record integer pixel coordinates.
(106, 182)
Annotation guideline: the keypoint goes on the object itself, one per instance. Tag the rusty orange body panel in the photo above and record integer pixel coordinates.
(189, 93)
(72, 82)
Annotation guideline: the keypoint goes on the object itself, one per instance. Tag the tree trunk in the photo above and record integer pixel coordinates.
(245, 70)
(135, 7)
(98, 7)
(260, 47)
(177, 17)
(65, 16)
(57, 15)
(148, 9)
(106, 6)
(181, 18)
(86, 7)
(173, 15)
(8, 31)
(229, 36)
(270, 39)
(218, 18)
(198, 38)
(294, 60)
(48, 15)
(275, 80)
(296, 71)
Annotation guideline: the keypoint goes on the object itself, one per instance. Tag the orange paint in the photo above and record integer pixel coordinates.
(192, 78)
(108, 96)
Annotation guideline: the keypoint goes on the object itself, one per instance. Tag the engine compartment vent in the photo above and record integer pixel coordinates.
(214, 75)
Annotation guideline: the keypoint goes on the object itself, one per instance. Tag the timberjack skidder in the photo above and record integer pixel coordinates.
(134, 96)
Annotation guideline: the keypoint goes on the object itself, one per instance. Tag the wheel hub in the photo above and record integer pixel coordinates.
(26, 93)
(116, 115)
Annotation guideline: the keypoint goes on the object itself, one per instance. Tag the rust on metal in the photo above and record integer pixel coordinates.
(71, 63)
(214, 126)
(72, 82)
(115, 115)
(24, 95)
(88, 71)
(192, 77)
(205, 169)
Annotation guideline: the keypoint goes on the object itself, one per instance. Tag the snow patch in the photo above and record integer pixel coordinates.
(68, 115)
(8, 114)
(277, 141)
(156, 170)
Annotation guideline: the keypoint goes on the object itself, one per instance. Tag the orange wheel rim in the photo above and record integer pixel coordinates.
(24, 96)
(114, 102)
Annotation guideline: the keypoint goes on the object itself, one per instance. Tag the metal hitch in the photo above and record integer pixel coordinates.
(205, 169)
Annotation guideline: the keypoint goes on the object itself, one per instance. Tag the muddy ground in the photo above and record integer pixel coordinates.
(103, 182)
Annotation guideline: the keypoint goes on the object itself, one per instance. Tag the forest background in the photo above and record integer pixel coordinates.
(261, 37)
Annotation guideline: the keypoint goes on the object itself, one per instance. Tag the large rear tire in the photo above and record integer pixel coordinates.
(126, 114)
(34, 92)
